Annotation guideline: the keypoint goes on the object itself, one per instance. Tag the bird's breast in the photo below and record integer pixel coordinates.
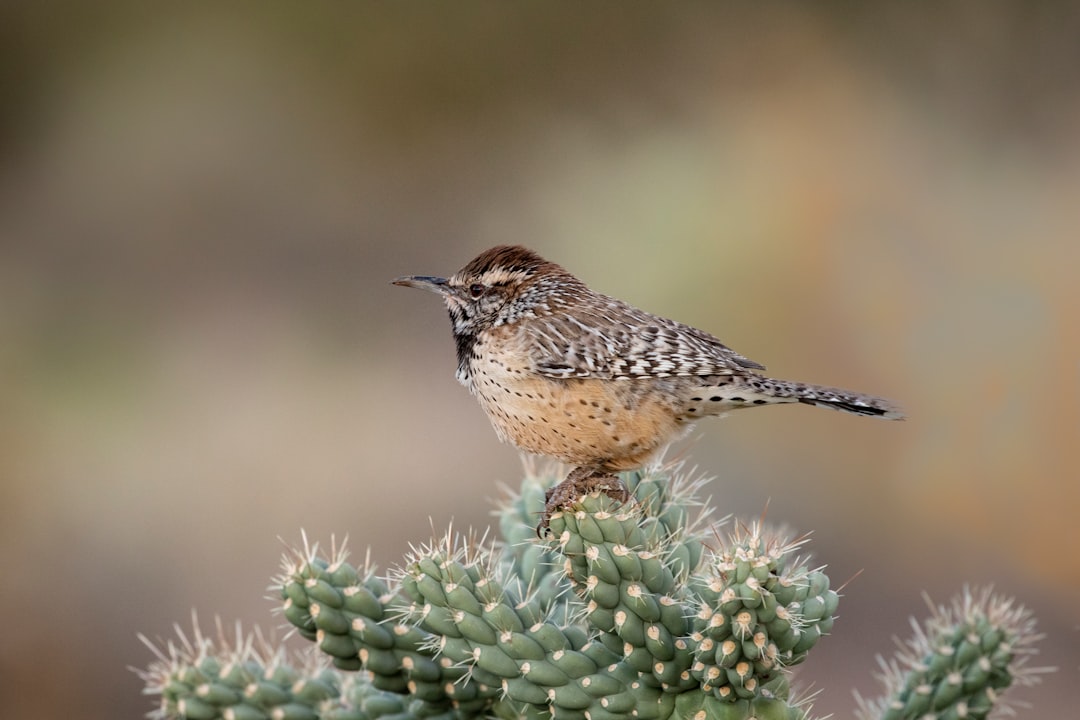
(609, 424)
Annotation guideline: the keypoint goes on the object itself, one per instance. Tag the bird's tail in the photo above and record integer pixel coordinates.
(827, 397)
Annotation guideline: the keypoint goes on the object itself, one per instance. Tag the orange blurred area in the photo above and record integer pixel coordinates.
(202, 205)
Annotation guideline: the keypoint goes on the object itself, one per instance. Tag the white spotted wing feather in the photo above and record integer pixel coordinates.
(607, 338)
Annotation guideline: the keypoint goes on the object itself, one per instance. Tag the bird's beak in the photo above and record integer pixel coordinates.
(423, 282)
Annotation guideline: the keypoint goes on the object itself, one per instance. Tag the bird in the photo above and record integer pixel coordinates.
(567, 372)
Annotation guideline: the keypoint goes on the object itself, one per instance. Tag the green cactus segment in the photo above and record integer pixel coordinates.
(628, 563)
(707, 707)
(760, 612)
(671, 518)
(533, 562)
(352, 616)
(199, 679)
(490, 624)
(958, 662)
(628, 592)
(360, 700)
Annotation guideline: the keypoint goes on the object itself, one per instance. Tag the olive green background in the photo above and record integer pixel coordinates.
(202, 205)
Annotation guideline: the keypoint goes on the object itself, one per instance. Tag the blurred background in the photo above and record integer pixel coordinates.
(201, 208)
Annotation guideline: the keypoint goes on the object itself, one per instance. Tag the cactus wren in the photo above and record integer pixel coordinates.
(566, 372)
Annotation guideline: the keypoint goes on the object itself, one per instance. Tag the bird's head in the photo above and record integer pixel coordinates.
(498, 287)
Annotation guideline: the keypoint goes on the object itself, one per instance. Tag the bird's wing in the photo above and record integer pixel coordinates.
(610, 339)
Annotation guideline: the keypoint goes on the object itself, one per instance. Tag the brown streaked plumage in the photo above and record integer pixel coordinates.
(566, 372)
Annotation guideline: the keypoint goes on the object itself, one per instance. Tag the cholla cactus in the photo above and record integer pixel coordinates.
(246, 678)
(621, 612)
(759, 613)
(958, 661)
(640, 610)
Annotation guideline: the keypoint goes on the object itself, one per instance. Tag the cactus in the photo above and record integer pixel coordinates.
(200, 679)
(636, 610)
(958, 661)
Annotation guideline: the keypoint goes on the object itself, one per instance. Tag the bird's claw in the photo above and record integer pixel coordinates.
(577, 484)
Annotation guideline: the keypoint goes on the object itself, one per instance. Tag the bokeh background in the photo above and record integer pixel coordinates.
(201, 206)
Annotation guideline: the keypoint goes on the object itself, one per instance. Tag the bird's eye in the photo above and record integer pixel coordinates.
(476, 290)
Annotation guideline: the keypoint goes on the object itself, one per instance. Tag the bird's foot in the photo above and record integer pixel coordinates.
(580, 482)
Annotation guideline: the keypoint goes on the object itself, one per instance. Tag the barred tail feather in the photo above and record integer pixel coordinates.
(863, 405)
(828, 397)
